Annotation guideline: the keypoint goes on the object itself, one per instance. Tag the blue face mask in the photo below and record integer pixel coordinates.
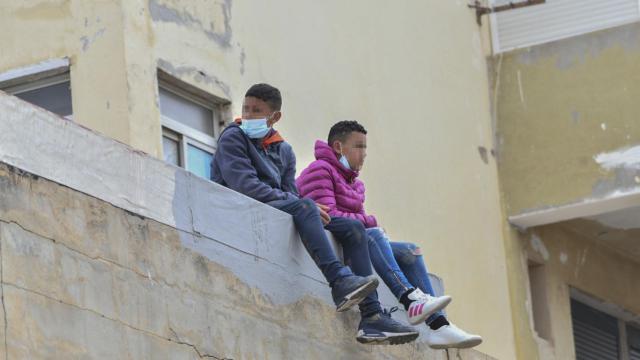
(255, 128)
(345, 162)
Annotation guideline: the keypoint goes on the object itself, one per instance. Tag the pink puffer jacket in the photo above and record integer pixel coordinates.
(329, 183)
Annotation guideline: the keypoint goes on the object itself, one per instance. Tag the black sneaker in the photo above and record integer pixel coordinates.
(381, 329)
(351, 290)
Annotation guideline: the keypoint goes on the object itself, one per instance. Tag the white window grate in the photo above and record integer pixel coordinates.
(557, 19)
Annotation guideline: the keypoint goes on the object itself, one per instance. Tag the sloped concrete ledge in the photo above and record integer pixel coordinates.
(616, 201)
(107, 252)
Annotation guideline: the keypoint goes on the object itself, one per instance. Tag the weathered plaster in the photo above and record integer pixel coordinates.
(197, 75)
(591, 266)
(179, 13)
(89, 40)
(561, 120)
(628, 158)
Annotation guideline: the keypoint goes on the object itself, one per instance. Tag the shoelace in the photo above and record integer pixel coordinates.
(425, 297)
(388, 313)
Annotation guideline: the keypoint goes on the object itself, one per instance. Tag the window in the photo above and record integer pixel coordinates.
(46, 85)
(191, 122)
(557, 19)
(602, 331)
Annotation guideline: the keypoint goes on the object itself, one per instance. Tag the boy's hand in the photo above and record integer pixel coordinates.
(323, 213)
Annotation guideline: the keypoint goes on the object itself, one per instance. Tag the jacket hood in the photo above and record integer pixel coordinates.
(324, 152)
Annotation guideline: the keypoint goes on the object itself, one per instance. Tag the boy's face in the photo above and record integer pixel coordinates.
(254, 108)
(354, 148)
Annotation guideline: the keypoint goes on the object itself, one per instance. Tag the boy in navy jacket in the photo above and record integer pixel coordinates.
(253, 159)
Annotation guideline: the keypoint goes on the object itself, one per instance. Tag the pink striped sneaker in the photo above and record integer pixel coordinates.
(423, 305)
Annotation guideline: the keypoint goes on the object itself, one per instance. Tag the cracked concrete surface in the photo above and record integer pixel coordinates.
(99, 261)
(84, 279)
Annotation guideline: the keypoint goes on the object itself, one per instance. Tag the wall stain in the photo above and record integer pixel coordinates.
(88, 40)
(198, 75)
(576, 50)
(484, 154)
(164, 13)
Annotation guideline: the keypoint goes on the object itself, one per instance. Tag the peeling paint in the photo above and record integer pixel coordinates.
(199, 75)
(625, 158)
(563, 258)
(538, 246)
(164, 13)
(582, 259)
(576, 50)
(623, 181)
(243, 57)
(625, 164)
(483, 154)
(575, 116)
(520, 88)
(87, 41)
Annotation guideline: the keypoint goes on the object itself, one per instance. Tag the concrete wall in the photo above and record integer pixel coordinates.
(413, 73)
(106, 252)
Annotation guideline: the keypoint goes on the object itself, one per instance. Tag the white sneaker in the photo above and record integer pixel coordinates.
(423, 305)
(450, 336)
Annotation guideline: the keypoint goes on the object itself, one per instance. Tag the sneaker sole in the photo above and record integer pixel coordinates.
(356, 296)
(460, 345)
(425, 315)
(389, 339)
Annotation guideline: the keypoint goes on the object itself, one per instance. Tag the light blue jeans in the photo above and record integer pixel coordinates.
(400, 265)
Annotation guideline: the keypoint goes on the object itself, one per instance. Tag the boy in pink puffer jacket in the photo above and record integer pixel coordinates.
(332, 180)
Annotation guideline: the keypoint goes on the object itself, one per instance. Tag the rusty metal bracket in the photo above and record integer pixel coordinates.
(483, 10)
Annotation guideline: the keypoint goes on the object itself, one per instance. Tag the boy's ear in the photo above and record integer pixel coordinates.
(336, 146)
(274, 118)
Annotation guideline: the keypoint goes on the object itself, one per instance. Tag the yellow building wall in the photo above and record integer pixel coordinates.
(557, 107)
(414, 73)
(561, 104)
(91, 34)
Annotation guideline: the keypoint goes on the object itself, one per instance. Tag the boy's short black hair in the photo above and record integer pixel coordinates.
(267, 93)
(341, 130)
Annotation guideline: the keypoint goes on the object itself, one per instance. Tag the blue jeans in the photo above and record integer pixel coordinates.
(400, 265)
(349, 233)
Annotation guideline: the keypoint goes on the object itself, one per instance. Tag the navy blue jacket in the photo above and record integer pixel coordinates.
(263, 173)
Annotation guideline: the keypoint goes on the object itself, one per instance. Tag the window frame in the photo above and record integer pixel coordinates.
(184, 140)
(33, 77)
(184, 134)
(172, 135)
(42, 82)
